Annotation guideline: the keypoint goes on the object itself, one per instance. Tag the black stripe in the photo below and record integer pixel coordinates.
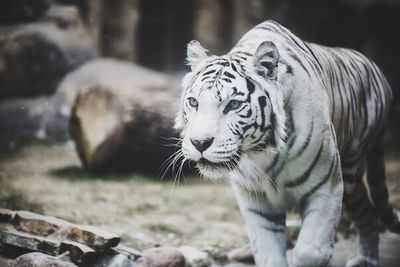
(321, 183)
(277, 218)
(262, 101)
(233, 67)
(274, 229)
(302, 178)
(305, 144)
(229, 75)
(209, 72)
(250, 86)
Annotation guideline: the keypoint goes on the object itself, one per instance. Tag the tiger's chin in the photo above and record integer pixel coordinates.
(213, 173)
(211, 170)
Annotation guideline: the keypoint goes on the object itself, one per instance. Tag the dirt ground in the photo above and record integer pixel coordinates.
(145, 211)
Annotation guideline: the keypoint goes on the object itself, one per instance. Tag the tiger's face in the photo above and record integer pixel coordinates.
(229, 107)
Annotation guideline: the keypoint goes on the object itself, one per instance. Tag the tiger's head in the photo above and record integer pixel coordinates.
(231, 107)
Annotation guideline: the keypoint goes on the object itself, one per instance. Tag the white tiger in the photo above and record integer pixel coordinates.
(285, 120)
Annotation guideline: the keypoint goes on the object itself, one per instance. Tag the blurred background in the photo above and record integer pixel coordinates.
(88, 93)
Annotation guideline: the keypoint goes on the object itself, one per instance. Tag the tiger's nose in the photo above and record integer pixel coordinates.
(203, 144)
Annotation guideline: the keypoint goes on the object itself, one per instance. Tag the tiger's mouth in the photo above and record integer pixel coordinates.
(207, 163)
(231, 164)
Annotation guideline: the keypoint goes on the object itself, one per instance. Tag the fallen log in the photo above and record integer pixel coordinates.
(34, 57)
(122, 116)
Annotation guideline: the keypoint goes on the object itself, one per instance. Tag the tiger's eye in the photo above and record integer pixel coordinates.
(193, 102)
(234, 104)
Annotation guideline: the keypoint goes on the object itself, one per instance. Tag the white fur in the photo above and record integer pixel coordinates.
(250, 180)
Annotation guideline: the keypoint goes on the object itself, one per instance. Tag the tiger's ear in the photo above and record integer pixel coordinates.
(195, 54)
(266, 60)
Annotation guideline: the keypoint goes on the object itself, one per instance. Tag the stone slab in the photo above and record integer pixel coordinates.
(12, 237)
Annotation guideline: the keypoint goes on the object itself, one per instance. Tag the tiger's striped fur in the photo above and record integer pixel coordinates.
(286, 120)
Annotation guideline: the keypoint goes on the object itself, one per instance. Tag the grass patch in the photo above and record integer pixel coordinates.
(72, 173)
(15, 200)
(12, 150)
(78, 173)
(162, 228)
(145, 207)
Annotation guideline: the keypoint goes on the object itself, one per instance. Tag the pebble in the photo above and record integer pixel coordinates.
(242, 254)
(163, 257)
(195, 257)
(37, 259)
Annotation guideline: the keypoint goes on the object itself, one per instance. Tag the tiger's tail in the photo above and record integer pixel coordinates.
(376, 178)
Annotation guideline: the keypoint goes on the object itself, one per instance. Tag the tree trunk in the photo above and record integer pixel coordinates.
(247, 14)
(214, 25)
(118, 28)
(164, 30)
(34, 57)
(122, 122)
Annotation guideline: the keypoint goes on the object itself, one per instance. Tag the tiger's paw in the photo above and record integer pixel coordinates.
(276, 261)
(362, 261)
(308, 255)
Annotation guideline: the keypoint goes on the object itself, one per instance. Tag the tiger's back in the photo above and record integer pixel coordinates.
(359, 97)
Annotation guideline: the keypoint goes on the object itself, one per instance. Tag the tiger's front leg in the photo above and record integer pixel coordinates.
(321, 211)
(266, 228)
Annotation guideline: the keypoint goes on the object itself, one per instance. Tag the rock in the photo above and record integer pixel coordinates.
(78, 253)
(33, 223)
(141, 263)
(4, 262)
(131, 253)
(218, 255)
(12, 237)
(242, 254)
(37, 259)
(64, 256)
(163, 257)
(239, 264)
(92, 236)
(6, 215)
(195, 257)
(118, 260)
